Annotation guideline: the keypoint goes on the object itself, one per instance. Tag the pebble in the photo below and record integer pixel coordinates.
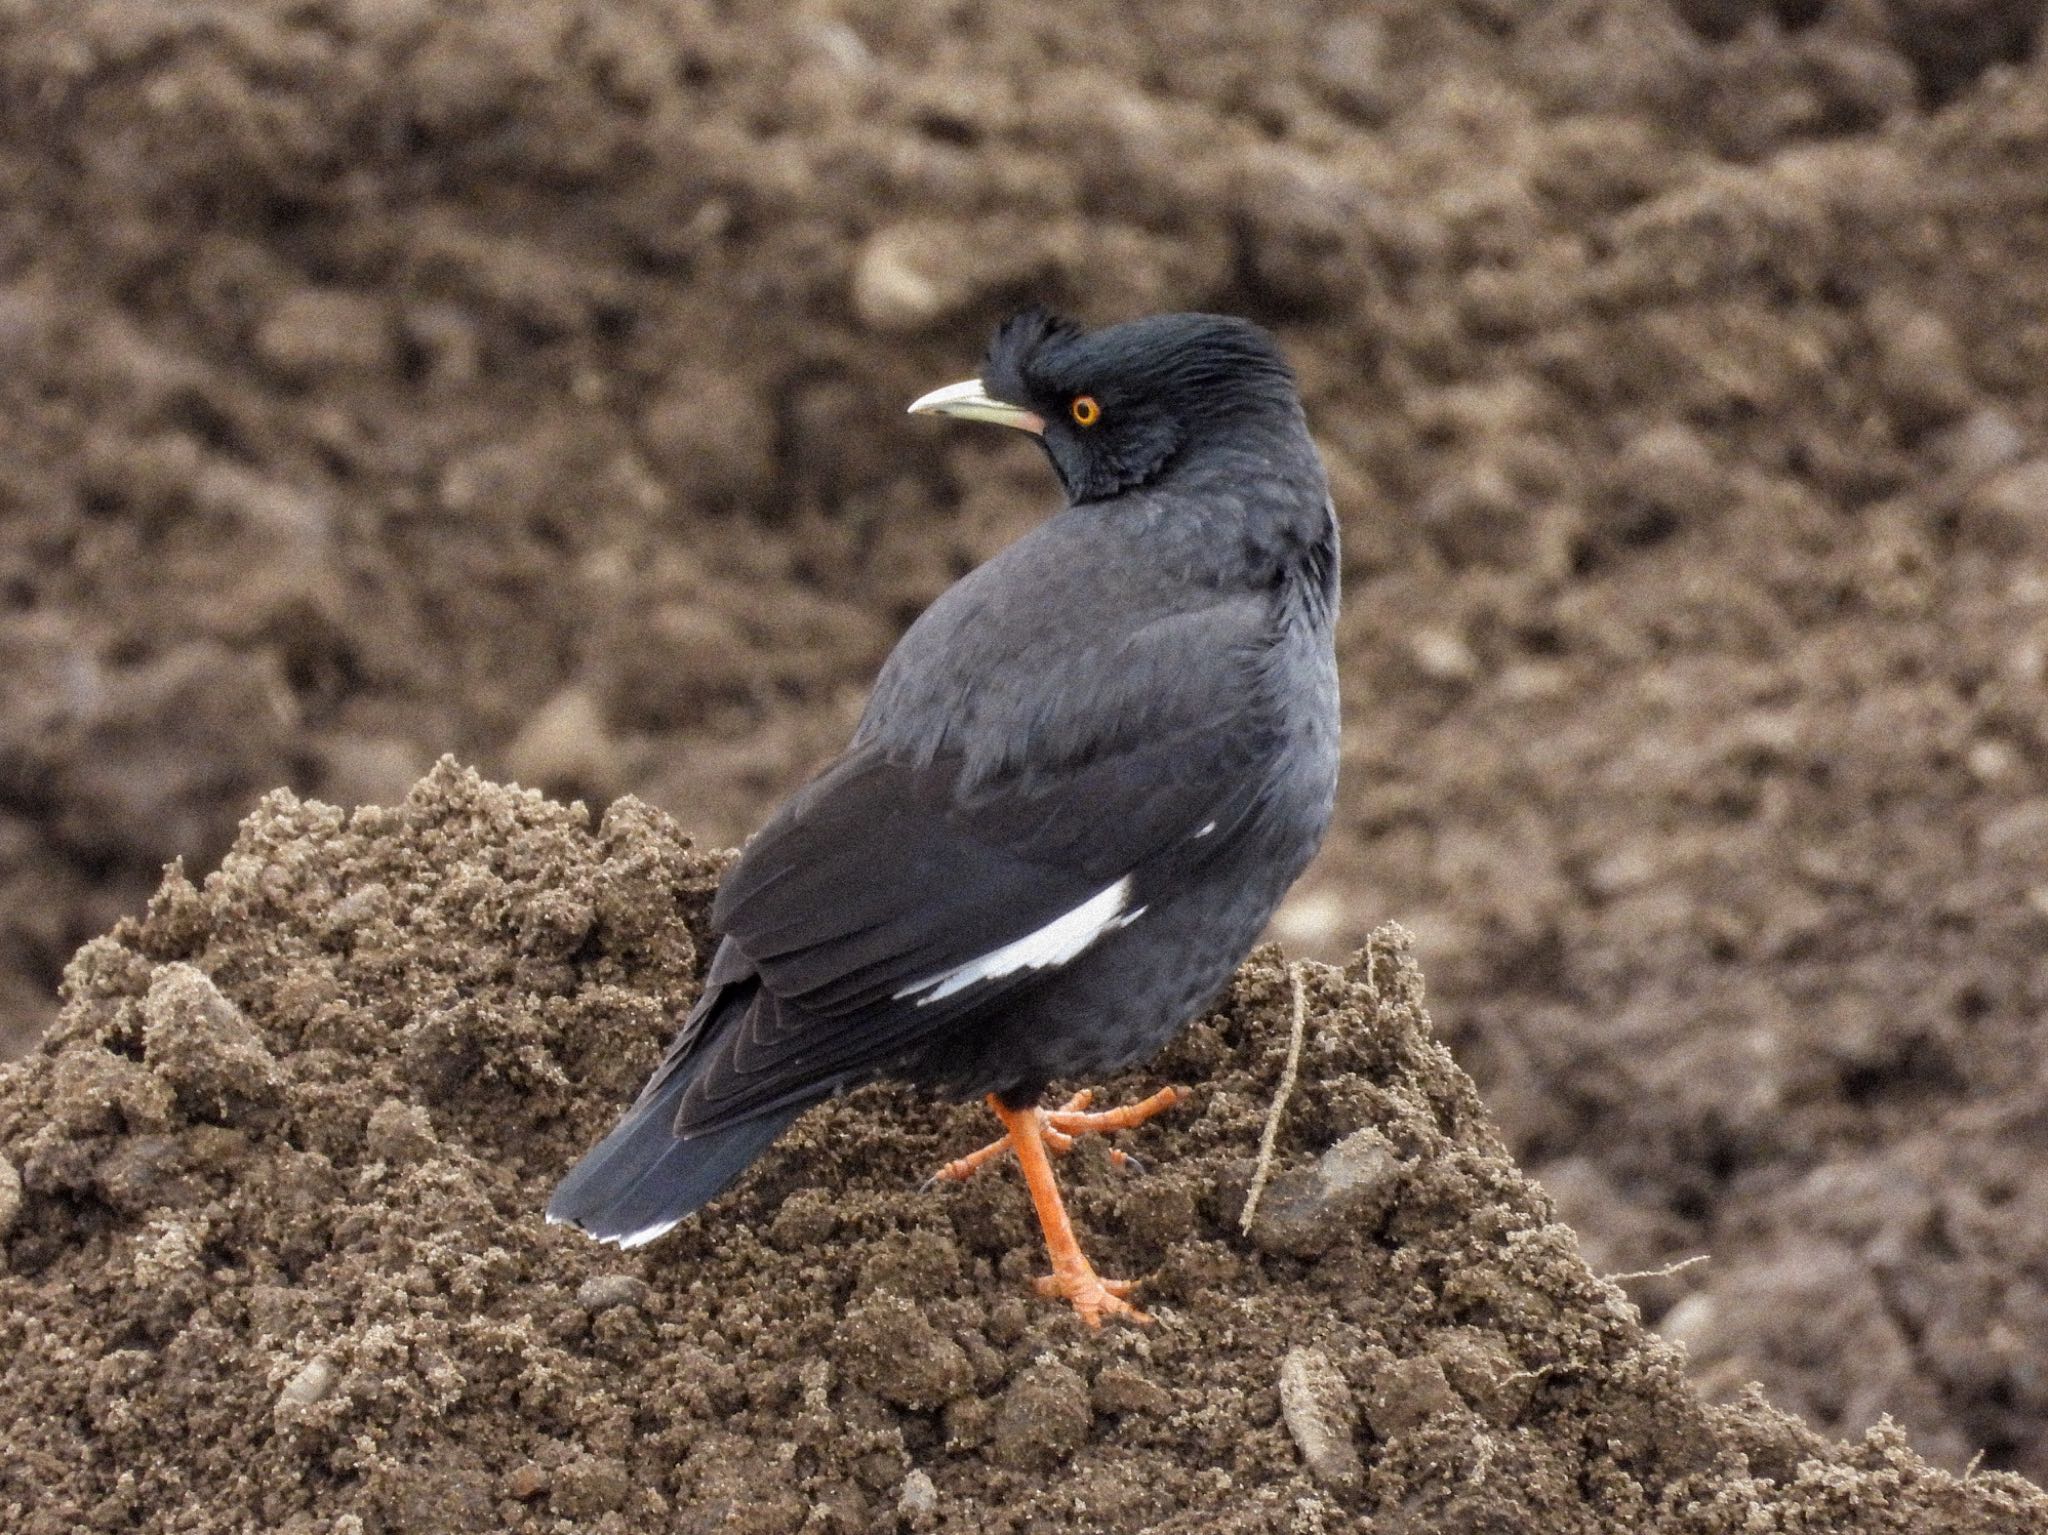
(526, 1482)
(890, 293)
(604, 1291)
(1349, 62)
(705, 436)
(917, 1505)
(1443, 655)
(565, 740)
(1310, 920)
(1305, 1212)
(1986, 440)
(314, 1381)
(1670, 469)
(10, 1196)
(1692, 1322)
(1406, 1392)
(202, 1046)
(1319, 1412)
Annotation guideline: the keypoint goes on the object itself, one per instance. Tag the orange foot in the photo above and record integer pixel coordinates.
(1031, 1133)
(1092, 1296)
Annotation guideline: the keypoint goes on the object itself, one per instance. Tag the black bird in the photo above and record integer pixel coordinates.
(1086, 777)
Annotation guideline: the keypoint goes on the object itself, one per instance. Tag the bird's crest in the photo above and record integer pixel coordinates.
(1016, 341)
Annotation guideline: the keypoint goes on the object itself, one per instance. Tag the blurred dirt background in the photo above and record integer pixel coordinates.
(525, 380)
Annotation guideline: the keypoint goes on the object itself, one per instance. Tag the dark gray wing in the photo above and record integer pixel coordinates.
(890, 872)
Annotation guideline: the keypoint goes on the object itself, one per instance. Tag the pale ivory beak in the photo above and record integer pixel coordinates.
(969, 401)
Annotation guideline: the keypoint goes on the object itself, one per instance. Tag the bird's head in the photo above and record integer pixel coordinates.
(1129, 404)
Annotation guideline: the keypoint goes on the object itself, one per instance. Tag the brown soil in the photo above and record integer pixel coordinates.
(273, 1256)
(524, 379)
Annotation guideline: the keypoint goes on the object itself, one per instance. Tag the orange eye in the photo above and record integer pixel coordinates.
(1084, 410)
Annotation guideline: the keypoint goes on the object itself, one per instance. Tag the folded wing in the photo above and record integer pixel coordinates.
(901, 894)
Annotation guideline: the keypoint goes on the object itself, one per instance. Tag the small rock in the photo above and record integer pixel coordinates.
(1305, 1212)
(1405, 1393)
(2020, 834)
(448, 340)
(1692, 1322)
(604, 1291)
(1044, 1417)
(159, 756)
(1320, 1414)
(1987, 439)
(368, 770)
(1443, 655)
(836, 43)
(1629, 867)
(526, 1482)
(27, 314)
(1864, 81)
(565, 741)
(1479, 517)
(673, 665)
(1993, 760)
(313, 1383)
(1310, 920)
(365, 904)
(917, 1505)
(890, 290)
(199, 1043)
(1669, 472)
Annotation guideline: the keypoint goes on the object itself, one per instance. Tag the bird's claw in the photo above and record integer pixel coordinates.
(1092, 1296)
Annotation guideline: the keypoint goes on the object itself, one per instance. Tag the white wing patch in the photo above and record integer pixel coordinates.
(1059, 941)
(646, 1234)
(638, 1238)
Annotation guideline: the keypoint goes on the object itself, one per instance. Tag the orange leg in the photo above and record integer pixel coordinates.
(1073, 1276)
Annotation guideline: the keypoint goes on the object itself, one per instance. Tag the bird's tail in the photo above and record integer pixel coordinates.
(641, 1180)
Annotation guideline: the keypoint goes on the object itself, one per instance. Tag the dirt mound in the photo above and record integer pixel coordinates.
(380, 378)
(273, 1254)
